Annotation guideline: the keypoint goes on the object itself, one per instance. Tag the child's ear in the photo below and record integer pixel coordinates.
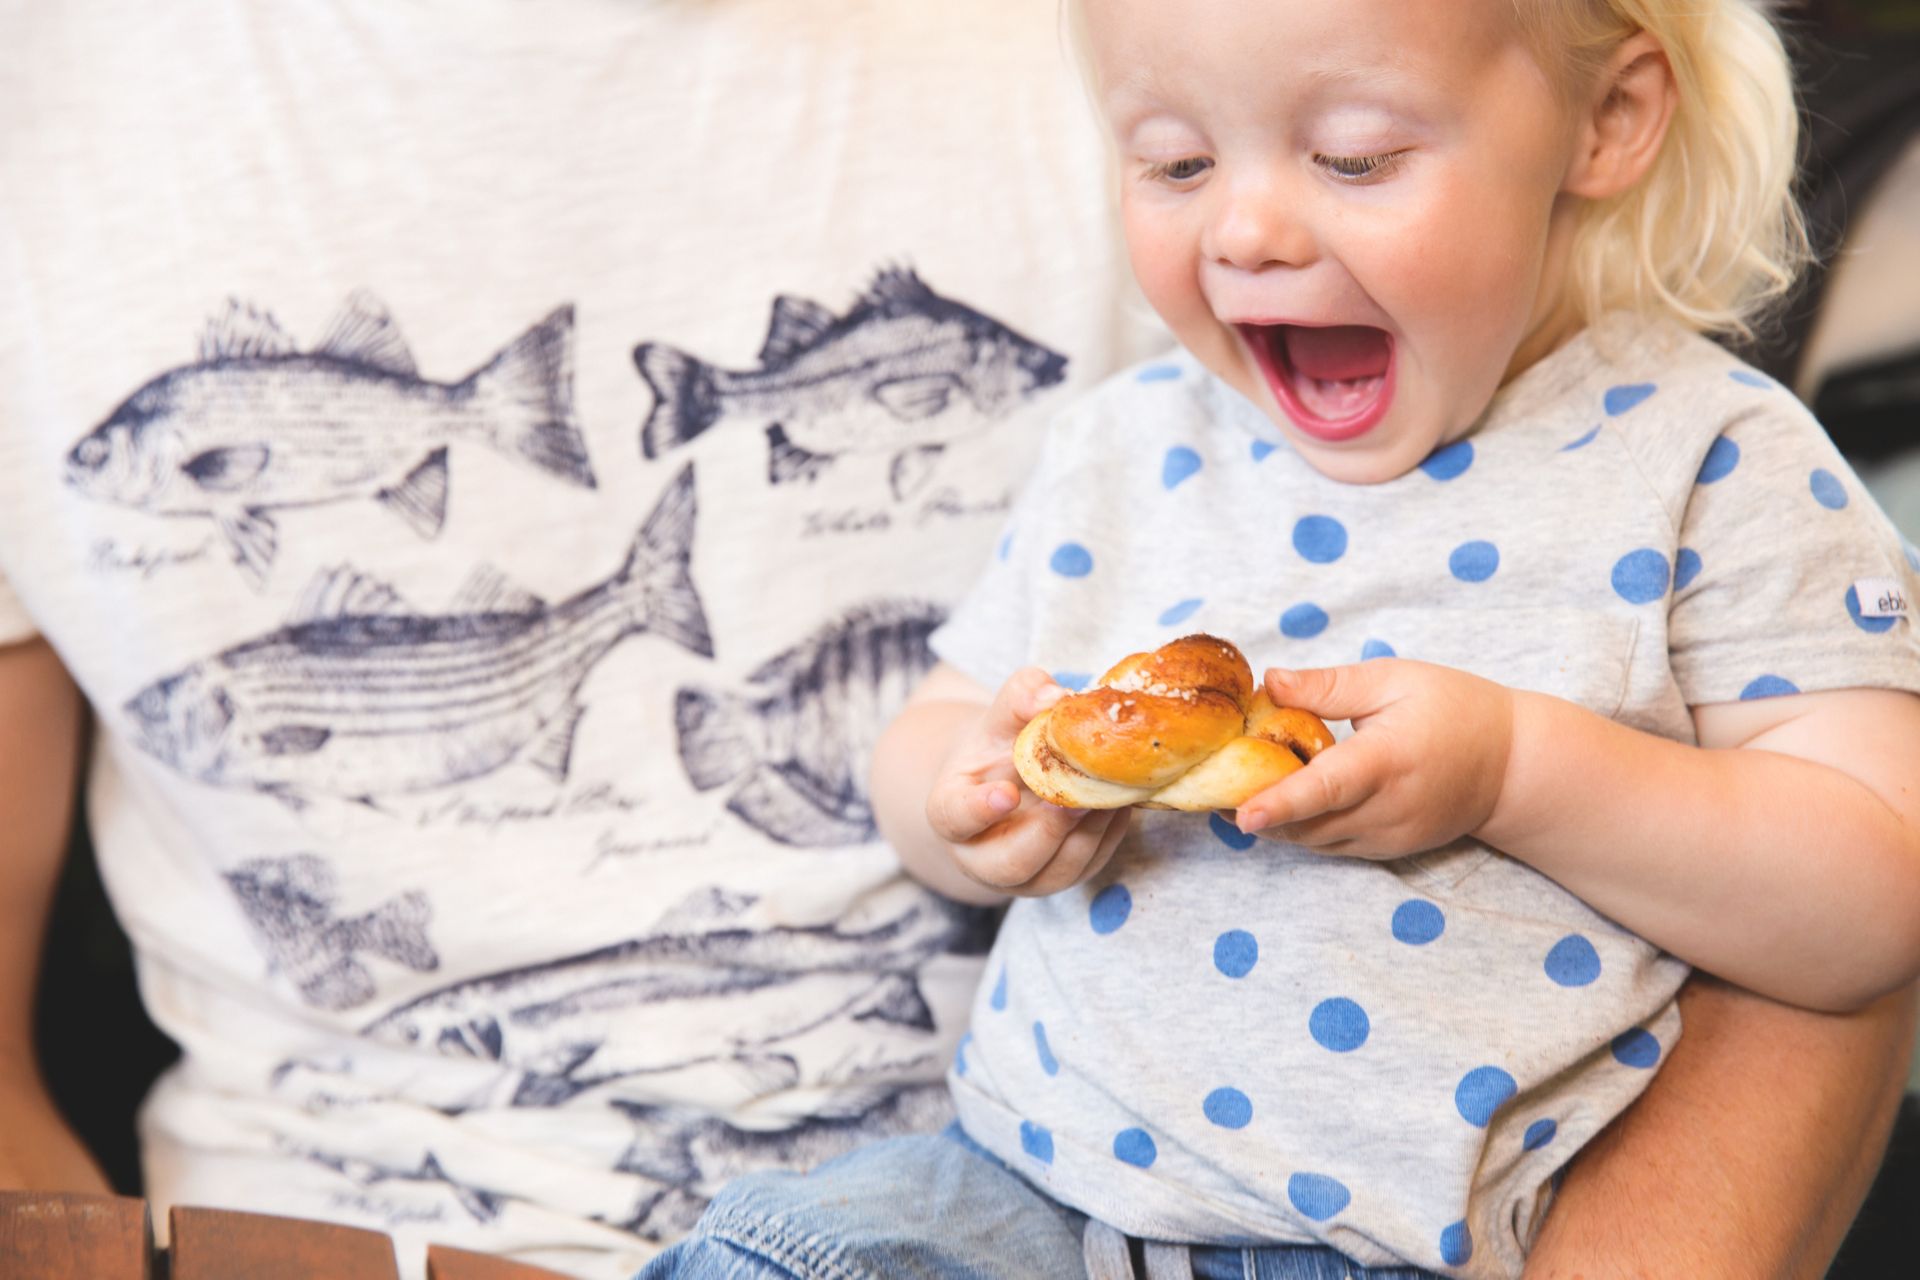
(1624, 120)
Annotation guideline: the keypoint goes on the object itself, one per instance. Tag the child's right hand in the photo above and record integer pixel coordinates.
(1000, 833)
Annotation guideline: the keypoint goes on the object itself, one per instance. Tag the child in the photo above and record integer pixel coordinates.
(1439, 272)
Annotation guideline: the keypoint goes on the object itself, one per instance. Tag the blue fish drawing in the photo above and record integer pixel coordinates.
(888, 377)
(478, 1203)
(359, 696)
(290, 902)
(714, 990)
(799, 739)
(256, 426)
(693, 1153)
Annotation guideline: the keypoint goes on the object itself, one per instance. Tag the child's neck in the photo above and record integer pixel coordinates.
(1555, 328)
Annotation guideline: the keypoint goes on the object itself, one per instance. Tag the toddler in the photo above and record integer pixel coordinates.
(1624, 646)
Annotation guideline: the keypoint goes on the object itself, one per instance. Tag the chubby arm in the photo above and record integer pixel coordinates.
(1748, 1155)
(1782, 853)
(39, 763)
(946, 796)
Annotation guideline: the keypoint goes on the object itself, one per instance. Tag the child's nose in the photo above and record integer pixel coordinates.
(1257, 225)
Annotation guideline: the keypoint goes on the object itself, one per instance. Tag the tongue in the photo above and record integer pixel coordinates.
(1336, 353)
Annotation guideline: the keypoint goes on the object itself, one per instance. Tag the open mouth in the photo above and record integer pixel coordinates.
(1334, 381)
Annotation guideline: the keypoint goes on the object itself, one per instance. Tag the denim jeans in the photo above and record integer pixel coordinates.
(940, 1207)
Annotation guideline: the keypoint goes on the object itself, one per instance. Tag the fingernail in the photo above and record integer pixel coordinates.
(1000, 802)
(1279, 673)
(1251, 820)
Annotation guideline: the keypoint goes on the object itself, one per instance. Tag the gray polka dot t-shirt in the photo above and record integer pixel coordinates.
(1223, 1041)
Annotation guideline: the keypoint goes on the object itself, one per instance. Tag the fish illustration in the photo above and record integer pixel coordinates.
(479, 1203)
(695, 1153)
(708, 980)
(803, 733)
(359, 696)
(290, 904)
(256, 426)
(888, 377)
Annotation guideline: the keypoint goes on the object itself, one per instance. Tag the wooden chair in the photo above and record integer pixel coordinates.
(70, 1237)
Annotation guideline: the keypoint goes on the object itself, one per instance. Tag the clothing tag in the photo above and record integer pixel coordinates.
(1880, 598)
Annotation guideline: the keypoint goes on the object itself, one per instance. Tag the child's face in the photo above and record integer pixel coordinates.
(1348, 209)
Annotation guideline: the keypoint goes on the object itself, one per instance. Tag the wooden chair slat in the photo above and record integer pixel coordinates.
(447, 1263)
(214, 1244)
(53, 1236)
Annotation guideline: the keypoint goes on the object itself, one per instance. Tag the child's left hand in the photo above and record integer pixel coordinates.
(1423, 766)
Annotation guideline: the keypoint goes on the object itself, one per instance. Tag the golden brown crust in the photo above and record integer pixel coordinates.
(1179, 728)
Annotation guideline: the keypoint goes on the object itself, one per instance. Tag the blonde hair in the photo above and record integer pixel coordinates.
(1712, 234)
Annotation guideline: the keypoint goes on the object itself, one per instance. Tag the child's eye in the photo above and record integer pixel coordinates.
(1359, 168)
(1183, 170)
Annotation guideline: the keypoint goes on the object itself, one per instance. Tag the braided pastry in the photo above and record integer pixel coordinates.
(1179, 728)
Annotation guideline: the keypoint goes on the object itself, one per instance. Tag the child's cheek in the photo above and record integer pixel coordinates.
(1168, 271)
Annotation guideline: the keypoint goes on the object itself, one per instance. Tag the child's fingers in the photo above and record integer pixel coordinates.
(1339, 778)
(1026, 693)
(1011, 858)
(1079, 851)
(1115, 833)
(1333, 693)
(959, 808)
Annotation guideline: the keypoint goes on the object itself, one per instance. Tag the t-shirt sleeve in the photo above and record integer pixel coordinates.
(989, 636)
(1788, 578)
(15, 625)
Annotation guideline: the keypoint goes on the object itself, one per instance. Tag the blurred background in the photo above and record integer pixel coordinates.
(1848, 343)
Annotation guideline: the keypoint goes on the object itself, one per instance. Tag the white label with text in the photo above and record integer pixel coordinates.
(1880, 598)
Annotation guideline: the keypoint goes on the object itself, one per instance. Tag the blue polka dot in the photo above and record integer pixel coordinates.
(1303, 621)
(1860, 620)
(1827, 489)
(1768, 687)
(1686, 567)
(1006, 544)
(1260, 450)
(1640, 577)
(1048, 1063)
(1582, 442)
(1720, 461)
(1417, 922)
(1317, 1196)
(1181, 612)
(960, 1054)
(1036, 1141)
(1321, 539)
(1180, 463)
(1375, 649)
(1135, 1147)
(999, 998)
(1636, 1048)
(1573, 962)
(1747, 377)
(1110, 909)
(1456, 1245)
(1539, 1134)
(1229, 835)
(1074, 680)
(1449, 460)
(1228, 1108)
(1913, 555)
(1483, 1091)
(1339, 1024)
(1235, 952)
(1071, 560)
(1474, 561)
(1158, 373)
(1620, 399)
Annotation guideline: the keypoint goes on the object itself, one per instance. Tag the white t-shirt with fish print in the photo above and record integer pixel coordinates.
(493, 470)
